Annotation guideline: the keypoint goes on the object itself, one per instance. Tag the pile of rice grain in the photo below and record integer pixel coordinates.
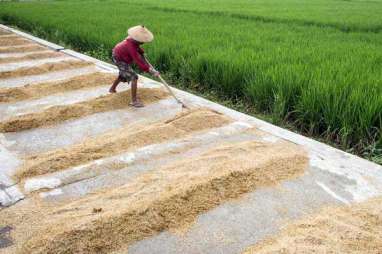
(58, 114)
(351, 229)
(32, 56)
(121, 140)
(13, 41)
(167, 197)
(22, 49)
(4, 32)
(43, 68)
(39, 90)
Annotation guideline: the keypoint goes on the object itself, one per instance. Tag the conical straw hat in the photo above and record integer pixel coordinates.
(140, 33)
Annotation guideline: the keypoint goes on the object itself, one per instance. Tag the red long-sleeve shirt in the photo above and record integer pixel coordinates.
(130, 52)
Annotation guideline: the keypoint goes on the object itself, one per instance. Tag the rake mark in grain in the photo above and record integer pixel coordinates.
(43, 89)
(43, 68)
(351, 229)
(166, 198)
(13, 41)
(30, 57)
(120, 140)
(58, 114)
(22, 49)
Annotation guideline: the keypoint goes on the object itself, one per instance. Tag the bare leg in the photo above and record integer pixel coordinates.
(134, 99)
(114, 86)
(134, 84)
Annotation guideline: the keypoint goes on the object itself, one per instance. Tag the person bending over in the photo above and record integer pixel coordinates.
(129, 52)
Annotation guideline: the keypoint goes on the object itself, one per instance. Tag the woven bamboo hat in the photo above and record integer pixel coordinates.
(140, 33)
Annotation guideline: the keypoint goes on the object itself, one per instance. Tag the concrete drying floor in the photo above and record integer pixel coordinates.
(66, 146)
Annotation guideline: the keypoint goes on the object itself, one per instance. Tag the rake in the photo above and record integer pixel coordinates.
(168, 88)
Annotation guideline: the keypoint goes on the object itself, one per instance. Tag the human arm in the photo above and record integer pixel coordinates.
(152, 70)
(139, 59)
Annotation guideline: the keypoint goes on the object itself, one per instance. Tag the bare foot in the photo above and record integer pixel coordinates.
(136, 104)
(112, 90)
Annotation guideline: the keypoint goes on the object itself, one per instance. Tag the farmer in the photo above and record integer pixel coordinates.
(128, 52)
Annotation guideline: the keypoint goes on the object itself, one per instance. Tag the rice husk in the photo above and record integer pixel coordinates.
(350, 229)
(4, 32)
(40, 90)
(9, 36)
(119, 141)
(24, 217)
(58, 114)
(165, 198)
(31, 57)
(26, 48)
(43, 68)
(13, 41)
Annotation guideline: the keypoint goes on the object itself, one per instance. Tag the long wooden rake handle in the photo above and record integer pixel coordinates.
(168, 87)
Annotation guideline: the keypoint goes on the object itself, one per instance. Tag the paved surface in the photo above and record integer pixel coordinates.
(333, 177)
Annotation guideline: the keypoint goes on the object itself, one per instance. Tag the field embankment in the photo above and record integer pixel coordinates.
(314, 65)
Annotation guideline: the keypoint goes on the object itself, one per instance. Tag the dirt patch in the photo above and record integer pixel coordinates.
(31, 57)
(351, 229)
(13, 41)
(165, 198)
(43, 89)
(119, 141)
(22, 49)
(43, 68)
(58, 114)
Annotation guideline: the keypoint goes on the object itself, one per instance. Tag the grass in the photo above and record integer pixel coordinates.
(314, 65)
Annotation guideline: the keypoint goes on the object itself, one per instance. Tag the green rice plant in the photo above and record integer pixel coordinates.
(319, 70)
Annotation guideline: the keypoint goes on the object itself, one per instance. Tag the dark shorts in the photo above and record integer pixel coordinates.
(126, 73)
